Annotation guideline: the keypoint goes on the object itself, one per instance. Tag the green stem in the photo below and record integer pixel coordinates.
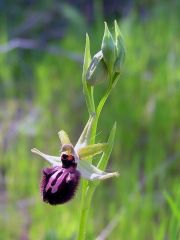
(87, 194)
(89, 97)
(87, 188)
(98, 112)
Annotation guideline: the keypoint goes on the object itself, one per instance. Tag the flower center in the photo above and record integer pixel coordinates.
(68, 160)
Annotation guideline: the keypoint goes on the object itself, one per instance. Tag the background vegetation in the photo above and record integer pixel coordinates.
(41, 49)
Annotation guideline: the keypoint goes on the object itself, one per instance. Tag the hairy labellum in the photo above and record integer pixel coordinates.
(59, 183)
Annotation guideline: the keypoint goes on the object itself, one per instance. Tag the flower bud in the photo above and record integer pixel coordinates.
(97, 71)
(120, 50)
(108, 49)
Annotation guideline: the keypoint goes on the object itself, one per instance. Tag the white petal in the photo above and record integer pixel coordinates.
(55, 161)
(91, 172)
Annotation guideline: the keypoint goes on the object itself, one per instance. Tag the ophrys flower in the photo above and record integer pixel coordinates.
(59, 182)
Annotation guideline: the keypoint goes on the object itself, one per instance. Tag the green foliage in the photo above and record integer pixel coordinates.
(145, 104)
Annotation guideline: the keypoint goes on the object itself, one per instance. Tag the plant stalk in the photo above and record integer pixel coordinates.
(87, 194)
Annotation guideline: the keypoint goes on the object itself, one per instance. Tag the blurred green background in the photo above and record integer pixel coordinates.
(41, 52)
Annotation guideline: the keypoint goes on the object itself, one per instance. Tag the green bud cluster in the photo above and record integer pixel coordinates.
(107, 63)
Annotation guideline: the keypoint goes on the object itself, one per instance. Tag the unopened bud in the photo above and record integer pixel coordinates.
(97, 71)
(108, 49)
(120, 50)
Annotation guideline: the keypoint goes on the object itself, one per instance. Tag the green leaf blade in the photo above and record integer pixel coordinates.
(105, 157)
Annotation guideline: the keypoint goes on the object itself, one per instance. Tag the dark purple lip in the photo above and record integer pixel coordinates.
(59, 184)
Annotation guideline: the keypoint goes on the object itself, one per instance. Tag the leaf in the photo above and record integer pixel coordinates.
(172, 204)
(88, 90)
(105, 157)
(87, 58)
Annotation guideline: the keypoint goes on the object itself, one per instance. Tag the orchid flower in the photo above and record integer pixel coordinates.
(60, 182)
